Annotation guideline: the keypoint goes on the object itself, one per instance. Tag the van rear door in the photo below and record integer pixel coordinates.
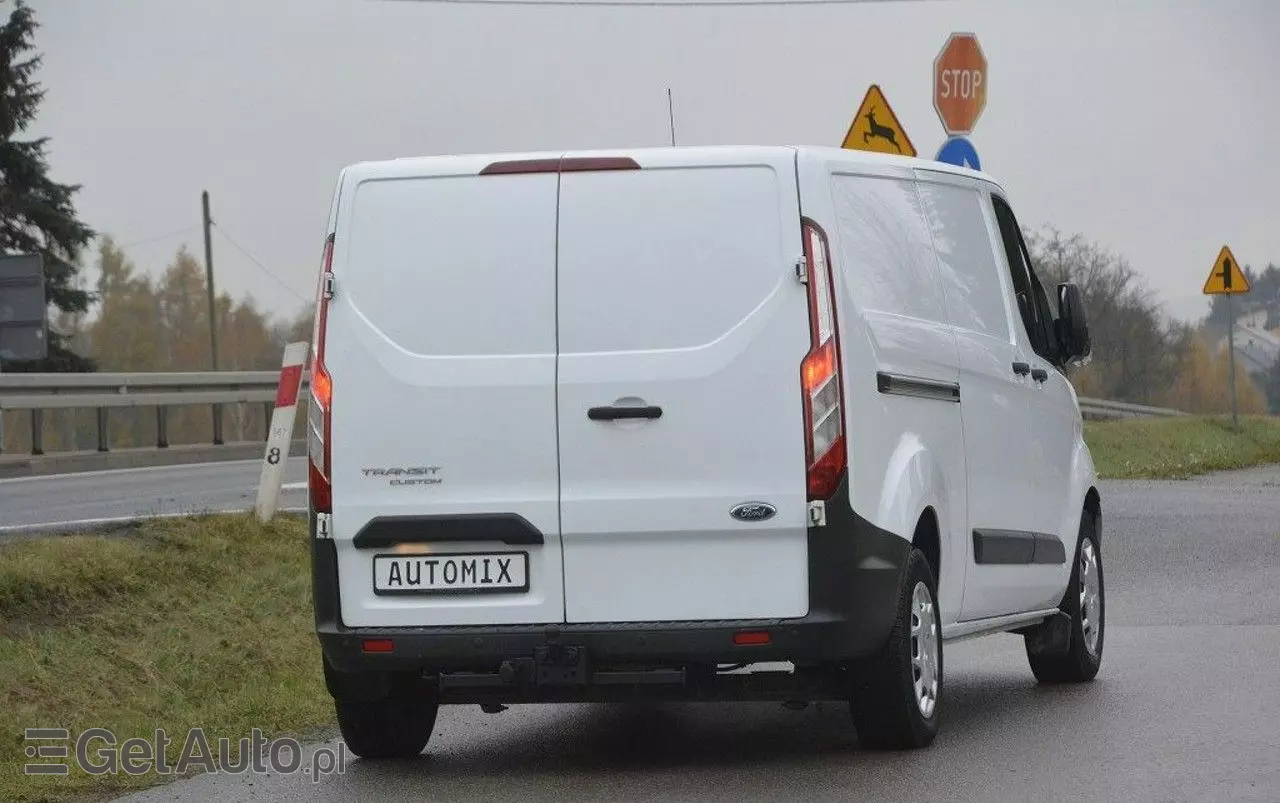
(682, 328)
(441, 344)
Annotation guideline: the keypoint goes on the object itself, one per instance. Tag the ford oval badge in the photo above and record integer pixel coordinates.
(753, 511)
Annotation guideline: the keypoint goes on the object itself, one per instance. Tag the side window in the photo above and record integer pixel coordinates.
(970, 274)
(1032, 303)
(885, 249)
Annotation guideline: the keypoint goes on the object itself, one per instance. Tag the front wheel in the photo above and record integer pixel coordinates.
(896, 691)
(1085, 605)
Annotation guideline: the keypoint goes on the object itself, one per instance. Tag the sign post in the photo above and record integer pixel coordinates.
(1226, 278)
(876, 128)
(959, 96)
(281, 431)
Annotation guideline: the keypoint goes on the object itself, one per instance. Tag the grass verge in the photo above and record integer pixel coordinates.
(186, 622)
(1176, 448)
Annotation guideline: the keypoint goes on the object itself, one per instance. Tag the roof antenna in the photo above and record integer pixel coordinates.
(671, 115)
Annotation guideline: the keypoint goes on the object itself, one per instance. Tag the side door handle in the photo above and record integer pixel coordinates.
(1022, 368)
(614, 413)
(1039, 374)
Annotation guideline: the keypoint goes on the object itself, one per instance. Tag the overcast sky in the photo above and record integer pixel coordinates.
(1150, 127)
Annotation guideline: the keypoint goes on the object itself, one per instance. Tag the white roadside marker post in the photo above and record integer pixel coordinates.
(281, 431)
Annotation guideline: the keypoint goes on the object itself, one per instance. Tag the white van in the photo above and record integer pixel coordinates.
(633, 425)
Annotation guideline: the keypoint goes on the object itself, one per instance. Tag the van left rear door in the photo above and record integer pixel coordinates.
(440, 341)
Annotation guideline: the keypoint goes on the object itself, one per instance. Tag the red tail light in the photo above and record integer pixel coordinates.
(820, 375)
(320, 410)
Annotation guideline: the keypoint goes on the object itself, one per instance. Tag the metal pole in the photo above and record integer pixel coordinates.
(1231, 356)
(213, 319)
(37, 432)
(671, 115)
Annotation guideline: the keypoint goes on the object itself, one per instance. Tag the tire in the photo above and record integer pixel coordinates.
(392, 727)
(1084, 603)
(888, 710)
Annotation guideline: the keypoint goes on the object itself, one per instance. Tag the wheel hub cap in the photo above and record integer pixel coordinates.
(924, 648)
(1090, 597)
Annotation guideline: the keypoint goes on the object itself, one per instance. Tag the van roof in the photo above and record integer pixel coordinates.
(462, 164)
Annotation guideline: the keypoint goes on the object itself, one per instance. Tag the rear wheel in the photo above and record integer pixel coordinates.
(388, 728)
(382, 714)
(896, 691)
(1085, 605)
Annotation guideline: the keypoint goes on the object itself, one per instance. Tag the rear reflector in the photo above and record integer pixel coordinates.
(751, 638)
(378, 645)
(572, 165)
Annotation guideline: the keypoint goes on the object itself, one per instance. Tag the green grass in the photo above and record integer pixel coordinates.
(1176, 448)
(193, 622)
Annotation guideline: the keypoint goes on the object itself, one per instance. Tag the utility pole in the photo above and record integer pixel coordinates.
(212, 296)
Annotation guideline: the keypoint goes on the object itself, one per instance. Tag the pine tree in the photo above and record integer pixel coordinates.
(36, 213)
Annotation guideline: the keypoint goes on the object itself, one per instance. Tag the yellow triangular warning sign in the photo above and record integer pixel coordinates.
(876, 128)
(1226, 278)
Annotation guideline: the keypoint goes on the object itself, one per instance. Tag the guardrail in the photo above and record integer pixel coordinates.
(1103, 409)
(102, 392)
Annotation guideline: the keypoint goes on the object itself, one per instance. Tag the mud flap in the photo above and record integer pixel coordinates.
(1050, 637)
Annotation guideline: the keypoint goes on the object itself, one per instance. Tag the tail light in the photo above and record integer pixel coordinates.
(820, 374)
(320, 410)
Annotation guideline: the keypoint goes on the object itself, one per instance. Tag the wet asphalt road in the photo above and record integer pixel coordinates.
(70, 501)
(1185, 708)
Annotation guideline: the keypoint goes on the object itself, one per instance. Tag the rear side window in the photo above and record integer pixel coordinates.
(885, 252)
(970, 275)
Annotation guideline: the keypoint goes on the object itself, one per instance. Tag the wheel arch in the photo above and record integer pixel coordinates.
(1093, 505)
(928, 539)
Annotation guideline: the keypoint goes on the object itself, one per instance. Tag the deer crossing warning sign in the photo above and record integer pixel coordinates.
(1226, 278)
(876, 128)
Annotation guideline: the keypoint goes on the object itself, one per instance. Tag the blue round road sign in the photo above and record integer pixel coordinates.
(959, 151)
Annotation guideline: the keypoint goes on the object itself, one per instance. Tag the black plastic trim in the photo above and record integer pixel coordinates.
(385, 531)
(612, 413)
(920, 387)
(1049, 549)
(856, 571)
(1016, 547)
(1022, 368)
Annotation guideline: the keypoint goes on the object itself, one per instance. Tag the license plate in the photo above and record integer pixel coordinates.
(460, 573)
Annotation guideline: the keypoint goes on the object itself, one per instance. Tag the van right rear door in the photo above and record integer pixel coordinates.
(679, 309)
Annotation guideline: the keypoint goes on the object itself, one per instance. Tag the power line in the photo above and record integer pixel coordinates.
(260, 266)
(652, 3)
(157, 238)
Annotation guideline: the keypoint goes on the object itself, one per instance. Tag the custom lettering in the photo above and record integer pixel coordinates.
(487, 579)
(450, 580)
(413, 573)
(469, 571)
(504, 570)
(431, 571)
(393, 577)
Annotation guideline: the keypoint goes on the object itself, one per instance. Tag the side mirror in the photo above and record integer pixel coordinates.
(1073, 324)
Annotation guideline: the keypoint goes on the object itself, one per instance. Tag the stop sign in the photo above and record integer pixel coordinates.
(960, 83)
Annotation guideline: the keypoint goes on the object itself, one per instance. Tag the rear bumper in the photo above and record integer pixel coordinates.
(855, 572)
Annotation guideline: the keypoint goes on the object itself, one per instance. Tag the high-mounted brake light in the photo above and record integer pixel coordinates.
(320, 410)
(820, 375)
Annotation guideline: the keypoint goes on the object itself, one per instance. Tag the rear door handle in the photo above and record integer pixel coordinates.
(612, 413)
(1039, 374)
(1022, 368)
